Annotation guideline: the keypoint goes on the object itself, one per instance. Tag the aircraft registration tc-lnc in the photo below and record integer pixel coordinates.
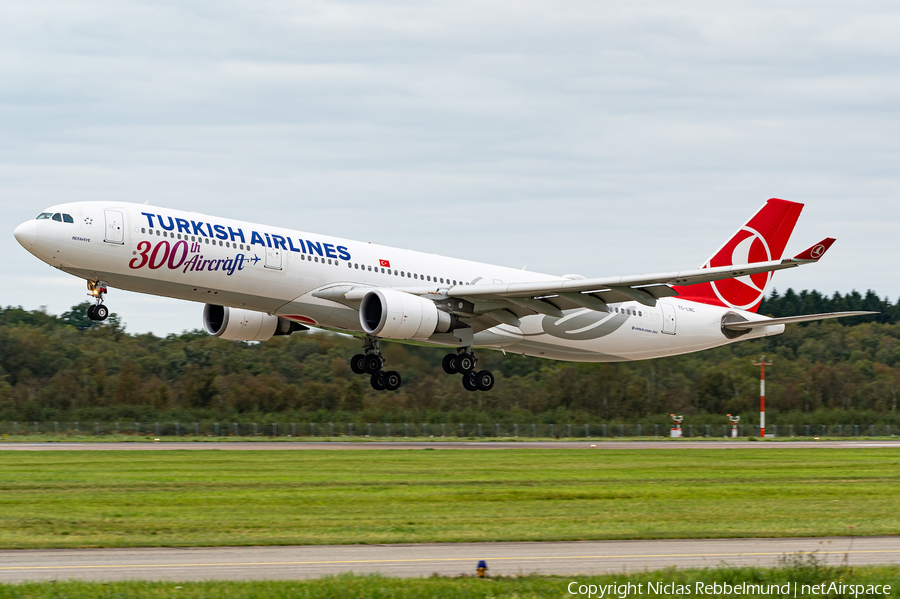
(258, 281)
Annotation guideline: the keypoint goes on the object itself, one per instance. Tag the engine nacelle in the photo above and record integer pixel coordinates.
(398, 315)
(245, 325)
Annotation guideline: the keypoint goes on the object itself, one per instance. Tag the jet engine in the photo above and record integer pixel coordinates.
(245, 325)
(398, 315)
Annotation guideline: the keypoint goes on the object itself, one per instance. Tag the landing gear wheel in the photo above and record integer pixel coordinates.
(358, 364)
(465, 363)
(469, 382)
(373, 364)
(378, 381)
(449, 364)
(484, 380)
(391, 380)
(97, 289)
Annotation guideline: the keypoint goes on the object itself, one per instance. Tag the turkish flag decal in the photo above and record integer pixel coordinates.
(385, 263)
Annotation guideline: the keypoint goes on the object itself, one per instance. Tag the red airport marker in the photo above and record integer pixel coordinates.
(762, 395)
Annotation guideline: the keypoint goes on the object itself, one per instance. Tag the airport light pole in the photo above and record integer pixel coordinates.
(762, 395)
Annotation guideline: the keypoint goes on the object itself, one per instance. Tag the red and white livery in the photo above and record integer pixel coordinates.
(257, 281)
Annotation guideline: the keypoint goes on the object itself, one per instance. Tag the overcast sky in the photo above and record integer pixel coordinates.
(596, 138)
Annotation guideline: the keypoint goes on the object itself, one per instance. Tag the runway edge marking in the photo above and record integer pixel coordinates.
(448, 559)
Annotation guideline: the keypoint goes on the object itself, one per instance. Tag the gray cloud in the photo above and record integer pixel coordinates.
(596, 138)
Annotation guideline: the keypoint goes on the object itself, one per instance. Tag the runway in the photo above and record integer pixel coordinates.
(450, 559)
(459, 445)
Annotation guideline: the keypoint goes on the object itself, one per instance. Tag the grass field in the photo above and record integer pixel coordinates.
(526, 587)
(184, 498)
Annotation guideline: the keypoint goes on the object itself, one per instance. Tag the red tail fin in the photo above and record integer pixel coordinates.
(762, 239)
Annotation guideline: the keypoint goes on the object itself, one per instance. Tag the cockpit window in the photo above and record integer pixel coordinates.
(57, 216)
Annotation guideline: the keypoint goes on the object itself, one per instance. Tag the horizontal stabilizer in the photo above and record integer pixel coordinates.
(815, 252)
(752, 324)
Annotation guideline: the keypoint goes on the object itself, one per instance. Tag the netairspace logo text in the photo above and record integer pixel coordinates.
(790, 589)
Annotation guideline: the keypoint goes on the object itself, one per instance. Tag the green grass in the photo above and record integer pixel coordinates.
(185, 498)
(525, 587)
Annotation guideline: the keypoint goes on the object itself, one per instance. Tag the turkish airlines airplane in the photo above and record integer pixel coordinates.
(258, 281)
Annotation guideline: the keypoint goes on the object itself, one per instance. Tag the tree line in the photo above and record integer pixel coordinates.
(68, 367)
(813, 302)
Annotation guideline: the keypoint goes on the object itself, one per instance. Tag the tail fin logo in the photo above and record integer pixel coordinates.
(762, 239)
(817, 251)
(742, 293)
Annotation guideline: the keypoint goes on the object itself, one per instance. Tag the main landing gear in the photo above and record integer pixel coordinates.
(463, 362)
(97, 290)
(371, 362)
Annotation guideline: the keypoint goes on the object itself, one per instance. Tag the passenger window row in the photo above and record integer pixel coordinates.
(208, 241)
(316, 259)
(403, 273)
(228, 244)
(199, 238)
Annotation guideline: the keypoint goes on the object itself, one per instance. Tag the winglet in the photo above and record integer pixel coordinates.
(815, 252)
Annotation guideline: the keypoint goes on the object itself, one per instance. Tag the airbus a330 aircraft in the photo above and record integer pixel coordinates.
(259, 281)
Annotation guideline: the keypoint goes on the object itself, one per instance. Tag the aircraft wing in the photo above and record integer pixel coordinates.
(641, 288)
(507, 302)
(632, 287)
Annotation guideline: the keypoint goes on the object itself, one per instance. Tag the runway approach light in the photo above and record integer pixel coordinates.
(482, 568)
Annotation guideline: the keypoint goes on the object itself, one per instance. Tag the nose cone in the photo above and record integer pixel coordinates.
(26, 233)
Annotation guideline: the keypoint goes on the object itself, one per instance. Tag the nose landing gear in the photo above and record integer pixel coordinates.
(371, 362)
(97, 289)
(463, 362)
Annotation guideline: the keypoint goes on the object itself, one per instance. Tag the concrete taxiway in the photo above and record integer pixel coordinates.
(305, 445)
(450, 559)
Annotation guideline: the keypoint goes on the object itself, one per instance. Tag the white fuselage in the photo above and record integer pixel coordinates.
(214, 260)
